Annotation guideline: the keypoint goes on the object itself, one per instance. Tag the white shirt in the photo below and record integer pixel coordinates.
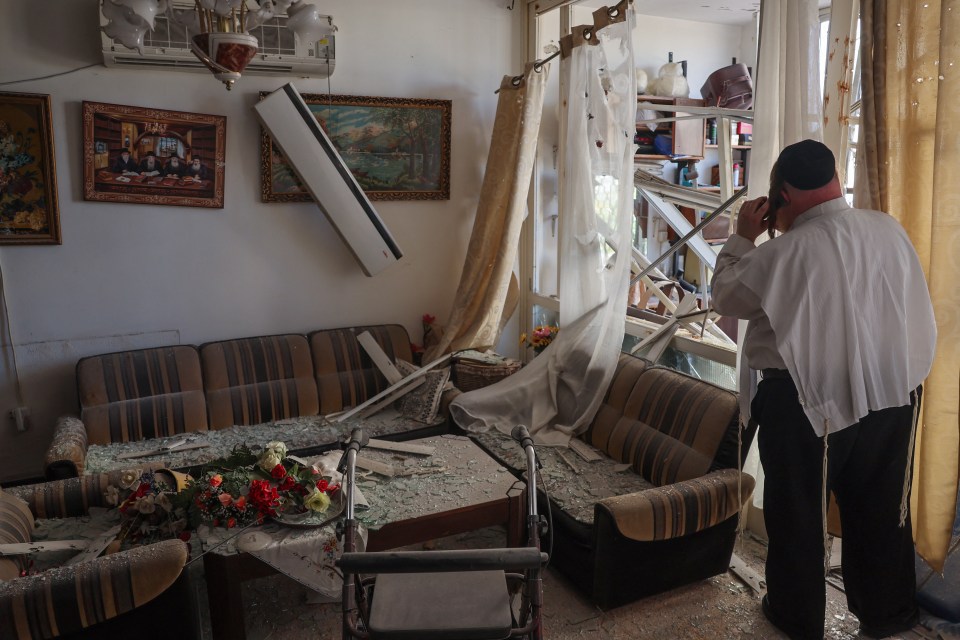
(839, 301)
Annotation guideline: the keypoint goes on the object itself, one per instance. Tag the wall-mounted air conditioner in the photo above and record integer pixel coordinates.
(167, 47)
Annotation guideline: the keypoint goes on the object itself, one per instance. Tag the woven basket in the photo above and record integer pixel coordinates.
(469, 375)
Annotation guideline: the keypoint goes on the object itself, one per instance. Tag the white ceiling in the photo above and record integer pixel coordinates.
(719, 11)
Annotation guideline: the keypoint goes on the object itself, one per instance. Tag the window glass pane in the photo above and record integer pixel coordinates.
(720, 374)
(544, 316)
(546, 224)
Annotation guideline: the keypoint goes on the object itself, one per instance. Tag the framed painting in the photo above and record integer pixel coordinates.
(396, 148)
(153, 156)
(29, 213)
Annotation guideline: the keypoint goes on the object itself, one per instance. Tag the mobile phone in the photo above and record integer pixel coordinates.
(774, 202)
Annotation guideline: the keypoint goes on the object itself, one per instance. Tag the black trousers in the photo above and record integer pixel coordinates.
(866, 464)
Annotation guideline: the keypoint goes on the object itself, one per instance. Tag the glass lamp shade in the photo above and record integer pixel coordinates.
(225, 54)
(305, 20)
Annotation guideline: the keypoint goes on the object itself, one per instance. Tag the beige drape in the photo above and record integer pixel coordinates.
(909, 166)
(487, 294)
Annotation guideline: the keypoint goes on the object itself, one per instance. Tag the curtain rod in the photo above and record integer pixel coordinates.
(606, 16)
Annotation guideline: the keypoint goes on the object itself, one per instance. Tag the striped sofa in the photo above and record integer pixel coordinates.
(160, 392)
(671, 518)
(119, 595)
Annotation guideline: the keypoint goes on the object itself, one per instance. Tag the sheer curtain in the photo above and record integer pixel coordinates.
(787, 109)
(480, 306)
(558, 392)
(908, 164)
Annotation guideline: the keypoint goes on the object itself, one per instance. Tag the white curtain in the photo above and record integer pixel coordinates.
(557, 394)
(787, 108)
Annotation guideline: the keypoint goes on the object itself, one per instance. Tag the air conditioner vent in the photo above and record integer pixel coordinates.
(280, 53)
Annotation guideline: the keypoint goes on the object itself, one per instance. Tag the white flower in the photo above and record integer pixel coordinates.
(128, 477)
(145, 505)
(273, 454)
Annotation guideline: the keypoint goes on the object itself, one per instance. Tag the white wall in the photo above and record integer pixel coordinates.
(129, 276)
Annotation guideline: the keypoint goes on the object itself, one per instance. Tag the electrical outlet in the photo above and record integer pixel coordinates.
(21, 418)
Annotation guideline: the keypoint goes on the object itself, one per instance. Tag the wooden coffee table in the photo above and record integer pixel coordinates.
(457, 489)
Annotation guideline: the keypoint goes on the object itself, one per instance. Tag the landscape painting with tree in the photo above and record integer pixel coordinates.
(396, 148)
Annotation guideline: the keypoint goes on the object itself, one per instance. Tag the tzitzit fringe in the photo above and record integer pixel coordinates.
(824, 500)
(905, 496)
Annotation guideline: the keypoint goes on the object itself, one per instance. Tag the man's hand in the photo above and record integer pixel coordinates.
(751, 219)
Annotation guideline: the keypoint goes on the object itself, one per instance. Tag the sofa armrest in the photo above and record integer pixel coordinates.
(681, 508)
(68, 599)
(67, 452)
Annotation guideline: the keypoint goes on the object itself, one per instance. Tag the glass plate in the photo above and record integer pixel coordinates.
(313, 519)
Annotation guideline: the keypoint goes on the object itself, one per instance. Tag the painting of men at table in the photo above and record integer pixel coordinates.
(153, 156)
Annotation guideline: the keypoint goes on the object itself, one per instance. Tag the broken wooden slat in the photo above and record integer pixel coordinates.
(403, 447)
(97, 546)
(379, 357)
(750, 577)
(22, 548)
(382, 468)
(419, 373)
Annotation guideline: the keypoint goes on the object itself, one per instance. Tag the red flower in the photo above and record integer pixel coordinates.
(263, 496)
(231, 523)
(240, 503)
(184, 535)
(322, 484)
(333, 489)
(278, 472)
(216, 481)
(287, 484)
(428, 319)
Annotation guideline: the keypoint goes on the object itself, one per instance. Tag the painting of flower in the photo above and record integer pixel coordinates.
(28, 183)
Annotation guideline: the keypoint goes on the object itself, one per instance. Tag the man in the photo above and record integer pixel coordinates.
(150, 165)
(842, 330)
(196, 170)
(174, 168)
(125, 164)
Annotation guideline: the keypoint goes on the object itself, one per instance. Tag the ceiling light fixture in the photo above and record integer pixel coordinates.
(218, 30)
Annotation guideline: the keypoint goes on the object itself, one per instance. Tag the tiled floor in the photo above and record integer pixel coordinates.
(722, 607)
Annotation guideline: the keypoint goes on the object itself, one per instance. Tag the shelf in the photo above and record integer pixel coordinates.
(653, 156)
(733, 146)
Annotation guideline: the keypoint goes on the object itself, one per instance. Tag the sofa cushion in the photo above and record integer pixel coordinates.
(573, 485)
(696, 414)
(16, 525)
(682, 508)
(145, 393)
(254, 380)
(654, 455)
(345, 374)
(67, 452)
(68, 599)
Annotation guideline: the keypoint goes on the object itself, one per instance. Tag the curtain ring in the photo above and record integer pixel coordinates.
(538, 66)
(613, 12)
(516, 80)
(588, 33)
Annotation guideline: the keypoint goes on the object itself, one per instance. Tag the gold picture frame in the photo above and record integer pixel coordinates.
(396, 148)
(29, 209)
(141, 155)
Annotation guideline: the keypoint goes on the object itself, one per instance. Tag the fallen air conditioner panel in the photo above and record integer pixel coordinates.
(320, 168)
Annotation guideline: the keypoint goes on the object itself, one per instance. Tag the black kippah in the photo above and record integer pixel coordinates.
(806, 165)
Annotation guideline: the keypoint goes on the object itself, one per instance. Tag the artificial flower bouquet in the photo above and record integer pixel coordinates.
(148, 506)
(246, 488)
(540, 338)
